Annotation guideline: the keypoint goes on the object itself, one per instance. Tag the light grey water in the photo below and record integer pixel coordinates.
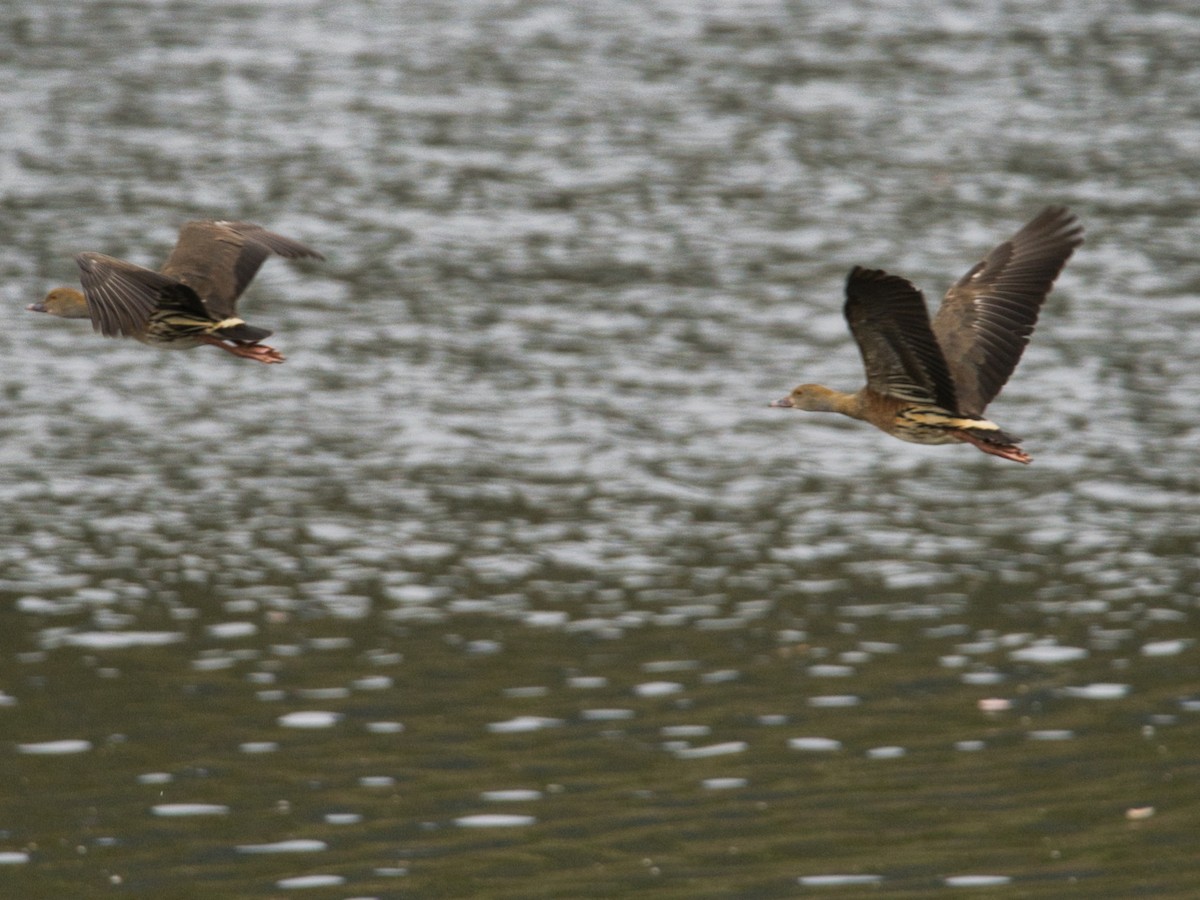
(513, 534)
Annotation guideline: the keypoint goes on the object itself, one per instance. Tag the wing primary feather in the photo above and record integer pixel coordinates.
(890, 323)
(987, 317)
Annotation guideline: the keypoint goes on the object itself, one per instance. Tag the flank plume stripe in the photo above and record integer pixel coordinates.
(938, 419)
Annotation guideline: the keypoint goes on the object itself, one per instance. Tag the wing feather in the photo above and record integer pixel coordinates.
(986, 318)
(121, 296)
(219, 259)
(890, 323)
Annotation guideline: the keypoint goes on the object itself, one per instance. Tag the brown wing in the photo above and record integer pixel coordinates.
(985, 320)
(888, 319)
(120, 295)
(218, 259)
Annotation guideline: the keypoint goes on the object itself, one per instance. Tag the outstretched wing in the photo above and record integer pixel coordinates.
(120, 296)
(219, 259)
(888, 319)
(985, 320)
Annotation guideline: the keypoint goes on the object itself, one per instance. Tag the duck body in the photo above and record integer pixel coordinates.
(917, 423)
(929, 381)
(191, 301)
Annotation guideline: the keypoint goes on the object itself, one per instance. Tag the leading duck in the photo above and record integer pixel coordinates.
(191, 301)
(929, 382)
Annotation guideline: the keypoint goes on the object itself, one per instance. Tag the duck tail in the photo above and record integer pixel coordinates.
(237, 330)
(995, 442)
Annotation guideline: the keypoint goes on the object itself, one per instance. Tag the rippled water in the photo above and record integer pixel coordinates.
(508, 583)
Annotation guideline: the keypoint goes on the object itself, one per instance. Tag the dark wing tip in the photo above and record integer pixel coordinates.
(1032, 258)
(1055, 223)
(862, 274)
(876, 284)
(271, 241)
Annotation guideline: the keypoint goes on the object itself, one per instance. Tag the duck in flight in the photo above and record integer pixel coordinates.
(192, 300)
(928, 382)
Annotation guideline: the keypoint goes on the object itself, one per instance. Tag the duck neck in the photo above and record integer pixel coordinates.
(852, 405)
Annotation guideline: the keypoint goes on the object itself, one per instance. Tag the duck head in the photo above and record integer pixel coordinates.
(811, 397)
(64, 302)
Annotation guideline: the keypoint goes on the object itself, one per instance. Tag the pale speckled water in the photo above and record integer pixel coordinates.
(508, 584)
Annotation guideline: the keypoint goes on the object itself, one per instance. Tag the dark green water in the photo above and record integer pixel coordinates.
(513, 533)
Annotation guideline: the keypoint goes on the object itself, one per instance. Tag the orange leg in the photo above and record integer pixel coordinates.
(259, 352)
(1016, 454)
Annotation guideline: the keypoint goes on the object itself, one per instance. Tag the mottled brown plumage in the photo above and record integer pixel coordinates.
(929, 382)
(192, 300)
